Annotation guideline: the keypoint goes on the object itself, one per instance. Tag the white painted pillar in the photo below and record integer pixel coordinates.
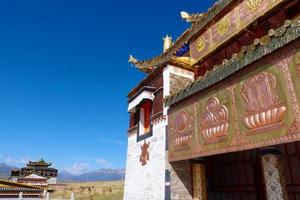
(21, 196)
(44, 194)
(72, 196)
(273, 174)
(48, 196)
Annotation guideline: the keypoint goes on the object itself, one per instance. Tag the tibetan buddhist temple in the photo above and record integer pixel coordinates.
(217, 116)
(36, 172)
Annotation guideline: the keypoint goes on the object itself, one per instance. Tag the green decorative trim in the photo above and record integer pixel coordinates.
(276, 39)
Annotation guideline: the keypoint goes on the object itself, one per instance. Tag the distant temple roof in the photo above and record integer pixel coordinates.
(39, 163)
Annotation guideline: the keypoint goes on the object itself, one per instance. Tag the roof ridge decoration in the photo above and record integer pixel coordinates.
(274, 40)
(150, 64)
(192, 17)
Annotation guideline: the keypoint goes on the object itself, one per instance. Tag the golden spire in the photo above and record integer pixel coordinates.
(167, 42)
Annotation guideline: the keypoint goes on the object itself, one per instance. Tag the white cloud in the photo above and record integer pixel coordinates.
(109, 141)
(78, 168)
(12, 161)
(102, 161)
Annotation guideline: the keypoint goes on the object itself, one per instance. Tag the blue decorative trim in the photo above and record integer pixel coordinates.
(185, 48)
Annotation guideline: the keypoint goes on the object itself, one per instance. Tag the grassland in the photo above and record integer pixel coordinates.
(112, 190)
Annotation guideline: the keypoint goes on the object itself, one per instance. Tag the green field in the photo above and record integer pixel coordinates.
(110, 190)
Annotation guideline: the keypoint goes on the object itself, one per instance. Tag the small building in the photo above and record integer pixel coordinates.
(36, 170)
(35, 180)
(13, 190)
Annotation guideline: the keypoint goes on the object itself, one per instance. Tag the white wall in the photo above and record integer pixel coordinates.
(146, 182)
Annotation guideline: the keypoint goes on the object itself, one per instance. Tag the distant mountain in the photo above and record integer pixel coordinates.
(98, 175)
(5, 170)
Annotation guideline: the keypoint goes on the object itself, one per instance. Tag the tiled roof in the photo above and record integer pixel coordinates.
(15, 185)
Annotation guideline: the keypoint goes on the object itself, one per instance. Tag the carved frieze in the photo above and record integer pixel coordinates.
(214, 121)
(181, 130)
(263, 108)
(144, 157)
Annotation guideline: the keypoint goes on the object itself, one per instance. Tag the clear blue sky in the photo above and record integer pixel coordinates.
(64, 75)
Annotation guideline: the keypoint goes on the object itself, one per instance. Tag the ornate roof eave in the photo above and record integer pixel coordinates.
(181, 62)
(145, 81)
(150, 64)
(275, 40)
(12, 184)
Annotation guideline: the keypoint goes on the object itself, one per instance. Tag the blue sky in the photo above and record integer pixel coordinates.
(64, 75)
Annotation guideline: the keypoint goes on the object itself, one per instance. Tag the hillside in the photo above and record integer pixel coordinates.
(5, 170)
(98, 175)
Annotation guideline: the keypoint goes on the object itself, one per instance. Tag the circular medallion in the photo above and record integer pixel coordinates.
(200, 44)
(223, 26)
(181, 122)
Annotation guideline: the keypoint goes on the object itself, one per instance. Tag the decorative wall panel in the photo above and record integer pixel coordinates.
(214, 121)
(256, 107)
(264, 110)
(231, 24)
(182, 126)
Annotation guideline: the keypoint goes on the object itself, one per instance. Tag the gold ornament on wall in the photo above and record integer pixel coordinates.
(201, 44)
(253, 5)
(223, 26)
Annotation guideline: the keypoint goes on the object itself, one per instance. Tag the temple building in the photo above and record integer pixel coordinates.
(37, 173)
(11, 190)
(217, 116)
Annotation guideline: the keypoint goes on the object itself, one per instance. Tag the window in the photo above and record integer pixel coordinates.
(145, 117)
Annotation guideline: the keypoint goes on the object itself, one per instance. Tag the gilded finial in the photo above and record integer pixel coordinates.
(132, 59)
(191, 17)
(185, 15)
(167, 42)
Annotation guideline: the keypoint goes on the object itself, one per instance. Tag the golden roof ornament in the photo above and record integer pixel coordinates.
(191, 17)
(167, 42)
(132, 59)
